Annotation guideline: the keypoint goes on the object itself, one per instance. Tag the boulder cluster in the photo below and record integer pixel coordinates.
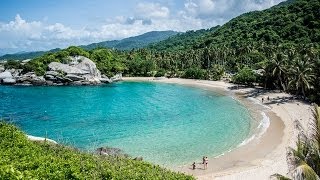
(79, 71)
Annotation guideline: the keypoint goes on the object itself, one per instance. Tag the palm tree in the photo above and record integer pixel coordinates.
(302, 75)
(304, 160)
(278, 64)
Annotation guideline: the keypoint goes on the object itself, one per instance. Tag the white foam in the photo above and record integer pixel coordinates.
(246, 141)
(262, 128)
(264, 124)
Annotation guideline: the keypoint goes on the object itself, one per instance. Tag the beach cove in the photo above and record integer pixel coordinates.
(263, 152)
(166, 124)
(263, 155)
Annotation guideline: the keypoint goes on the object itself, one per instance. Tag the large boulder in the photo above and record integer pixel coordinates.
(116, 78)
(105, 80)
(50, 77)
(55, 66)
(74, 77)
(15, 72)
(6, 75)
(8, 81)
(52, 73)
(1, 69)
(39, 81)
(79, 66)
(88, 66)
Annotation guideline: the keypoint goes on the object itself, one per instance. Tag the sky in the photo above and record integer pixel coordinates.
(33, 25)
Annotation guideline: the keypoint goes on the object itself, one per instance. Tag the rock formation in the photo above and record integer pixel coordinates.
(79, 71)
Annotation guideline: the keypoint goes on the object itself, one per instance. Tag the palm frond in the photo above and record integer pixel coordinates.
(314, 128)
(304, 172)
(279, 177)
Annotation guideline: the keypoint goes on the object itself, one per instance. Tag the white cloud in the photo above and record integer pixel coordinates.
(225, 8)
(23, 35)
(151, 10)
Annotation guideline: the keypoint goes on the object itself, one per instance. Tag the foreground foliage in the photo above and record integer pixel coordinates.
(23, 159)
(304, 159)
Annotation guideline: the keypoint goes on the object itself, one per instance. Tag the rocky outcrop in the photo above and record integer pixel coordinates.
(79, 71)
(1, 69)
(74, 77)
(7, 78)
(109, 151)
(5, 75)
(8, 81)
(116, 78)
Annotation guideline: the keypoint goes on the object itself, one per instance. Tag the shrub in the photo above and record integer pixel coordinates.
(245, 76)
(160, 73)
(23, 159)
(195, 73)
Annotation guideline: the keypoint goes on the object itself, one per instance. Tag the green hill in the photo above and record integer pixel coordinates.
(293, 22)
(133, 42)
(124, 44)
(26, 55)
(23, 159)
(182, 41)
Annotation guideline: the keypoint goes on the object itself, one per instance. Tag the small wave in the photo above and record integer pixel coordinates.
(246, 141)
(264, 124)
(262, 128)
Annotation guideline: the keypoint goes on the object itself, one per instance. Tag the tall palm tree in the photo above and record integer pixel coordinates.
(302, 75)
(304, 160)
(278, 64)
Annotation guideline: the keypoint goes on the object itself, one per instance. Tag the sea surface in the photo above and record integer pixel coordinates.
(170, 125)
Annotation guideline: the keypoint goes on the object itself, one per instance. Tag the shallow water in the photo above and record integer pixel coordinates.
(166, 124)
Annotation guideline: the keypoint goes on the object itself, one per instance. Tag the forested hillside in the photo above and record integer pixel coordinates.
(182, 41)
(291, 22)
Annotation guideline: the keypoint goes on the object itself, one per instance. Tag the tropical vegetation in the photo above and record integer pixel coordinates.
(23, 159)
(281, 43)
(304, 159)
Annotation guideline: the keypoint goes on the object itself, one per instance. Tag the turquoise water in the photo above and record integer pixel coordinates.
(166, 124)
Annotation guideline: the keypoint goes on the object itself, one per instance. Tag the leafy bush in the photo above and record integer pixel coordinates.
(216, 72)
(160, 73)
(23, 159)
(195, 73)
(245, 76)
(11, 64)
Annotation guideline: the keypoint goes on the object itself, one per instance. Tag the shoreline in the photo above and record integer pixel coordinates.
(260, 157)
(40, 139)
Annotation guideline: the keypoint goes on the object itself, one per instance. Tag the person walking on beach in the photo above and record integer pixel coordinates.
(203, 159)
(194, 166)
(206, 163)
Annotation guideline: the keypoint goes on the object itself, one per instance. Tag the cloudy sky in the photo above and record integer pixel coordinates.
(29, 25)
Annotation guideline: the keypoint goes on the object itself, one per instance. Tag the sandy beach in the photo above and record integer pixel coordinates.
(265, 152)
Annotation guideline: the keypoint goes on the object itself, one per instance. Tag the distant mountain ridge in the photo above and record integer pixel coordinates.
(134, 42)
(124, 44)
(26, 55)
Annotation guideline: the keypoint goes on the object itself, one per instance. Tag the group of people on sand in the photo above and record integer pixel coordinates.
(262, 99)
(204, 162)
